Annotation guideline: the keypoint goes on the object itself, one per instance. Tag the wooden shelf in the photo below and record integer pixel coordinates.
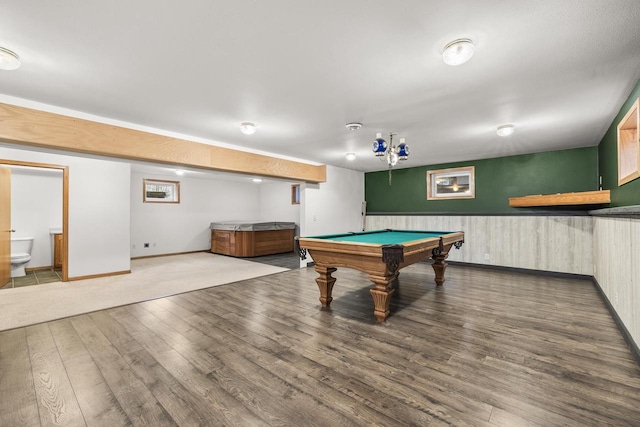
(562, 199)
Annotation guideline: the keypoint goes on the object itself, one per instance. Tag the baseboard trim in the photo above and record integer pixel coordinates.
(633, 346)
(95, 276)
(524, 270)
(171, 254)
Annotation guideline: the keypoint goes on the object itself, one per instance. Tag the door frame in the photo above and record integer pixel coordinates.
(65, 206)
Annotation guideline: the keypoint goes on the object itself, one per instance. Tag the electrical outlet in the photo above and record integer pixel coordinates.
(146, 245)
(615, 297)
(486, 257)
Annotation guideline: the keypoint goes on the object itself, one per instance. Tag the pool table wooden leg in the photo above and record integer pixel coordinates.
(381, 296)
(325, 283)
(439, 266)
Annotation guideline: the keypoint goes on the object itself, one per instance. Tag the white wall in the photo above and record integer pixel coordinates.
(36, 206)
(184, 227)
(99, 209)
(107, 216)
(334, 206)
(275, 204)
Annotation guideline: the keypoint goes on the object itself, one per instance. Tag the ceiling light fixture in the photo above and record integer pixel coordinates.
(248, 128)
(505, 130)
(256, 180)
(353, 126)
(179, 172)
(458, 52)
(351, 156)
(390, 152)
(9, 60)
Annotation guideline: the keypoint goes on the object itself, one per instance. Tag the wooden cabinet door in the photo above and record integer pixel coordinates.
(57, 251)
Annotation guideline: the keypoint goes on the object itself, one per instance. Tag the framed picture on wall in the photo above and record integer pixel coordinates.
(159, 191)
(455, 183)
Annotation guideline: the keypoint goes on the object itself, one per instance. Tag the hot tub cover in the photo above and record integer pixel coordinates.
(252, 226)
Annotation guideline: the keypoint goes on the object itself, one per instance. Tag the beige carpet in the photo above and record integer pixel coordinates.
(150, 278)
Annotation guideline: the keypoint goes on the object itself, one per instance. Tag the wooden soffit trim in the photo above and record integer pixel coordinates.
(26, 126)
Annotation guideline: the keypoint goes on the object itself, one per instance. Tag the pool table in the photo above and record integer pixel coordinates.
(380, 254)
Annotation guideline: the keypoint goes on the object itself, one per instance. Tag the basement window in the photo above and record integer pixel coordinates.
(628, 145)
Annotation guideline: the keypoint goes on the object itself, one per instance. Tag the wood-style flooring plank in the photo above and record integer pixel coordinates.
(286, 373)
(229, 410)
(184, 407)
(249, 382)
(18, 405)
(134, 397)
(333, 350)
(97, 402)
(57, 401)
(489, 348)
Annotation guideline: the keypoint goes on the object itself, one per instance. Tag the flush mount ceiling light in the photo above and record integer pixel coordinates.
(247, 128)
(257, 180)
(8, 60)
(458, 52)
(351, 156)
(353, 126)
(505, 130)
(179, 172)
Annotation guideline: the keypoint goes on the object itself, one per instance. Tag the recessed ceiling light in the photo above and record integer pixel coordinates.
(458, 52)
(353, 126)
(257, 180)
(505, 130)
(8, 60)
(351, 156)
(247, 128)
(179, 172)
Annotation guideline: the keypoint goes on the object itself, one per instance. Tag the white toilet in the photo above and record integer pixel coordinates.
(20, 255)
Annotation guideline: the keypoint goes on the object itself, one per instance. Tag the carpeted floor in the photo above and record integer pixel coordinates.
(150, 278)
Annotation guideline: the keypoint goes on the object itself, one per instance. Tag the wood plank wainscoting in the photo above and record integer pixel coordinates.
(478, 351)
(616, 244)
(548, 243)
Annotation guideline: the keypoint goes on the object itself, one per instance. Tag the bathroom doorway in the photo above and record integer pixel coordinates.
(62, 232)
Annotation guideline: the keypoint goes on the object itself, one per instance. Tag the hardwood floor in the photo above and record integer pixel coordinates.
(290, 260)
(490, 348)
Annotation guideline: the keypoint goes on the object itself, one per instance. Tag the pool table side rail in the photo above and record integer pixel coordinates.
(375, 249)
(362, 233)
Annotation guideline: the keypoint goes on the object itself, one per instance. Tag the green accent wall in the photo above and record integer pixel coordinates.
(628, 194)
(495, 181)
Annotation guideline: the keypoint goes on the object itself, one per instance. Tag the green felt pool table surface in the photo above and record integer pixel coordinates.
(383, 237)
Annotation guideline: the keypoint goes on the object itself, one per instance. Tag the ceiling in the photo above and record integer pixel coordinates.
(301, 70)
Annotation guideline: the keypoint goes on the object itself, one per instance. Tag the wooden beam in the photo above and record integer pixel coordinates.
(26, 126)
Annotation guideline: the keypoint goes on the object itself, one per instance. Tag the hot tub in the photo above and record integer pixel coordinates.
(248, 239)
